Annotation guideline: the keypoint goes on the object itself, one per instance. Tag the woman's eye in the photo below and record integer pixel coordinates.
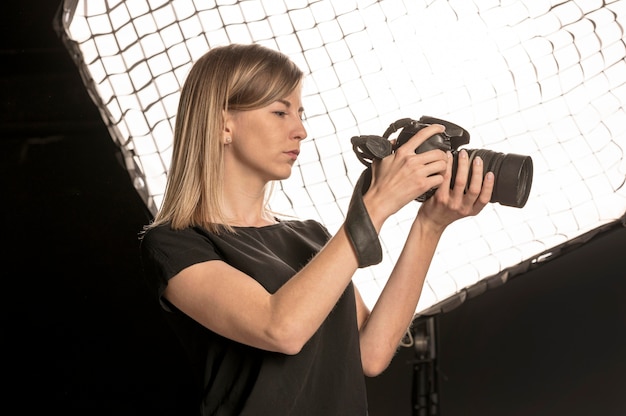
(280, 113)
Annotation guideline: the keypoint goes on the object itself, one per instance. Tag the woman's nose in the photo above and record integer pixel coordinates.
(300, 132)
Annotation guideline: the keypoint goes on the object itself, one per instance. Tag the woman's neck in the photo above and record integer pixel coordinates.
(245, 209)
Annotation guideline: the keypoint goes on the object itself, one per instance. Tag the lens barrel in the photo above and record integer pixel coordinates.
(513, 175)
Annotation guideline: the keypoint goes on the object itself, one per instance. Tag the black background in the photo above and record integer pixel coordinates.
(81, 336)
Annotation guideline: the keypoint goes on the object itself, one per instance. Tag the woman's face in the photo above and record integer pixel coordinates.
(265, 142)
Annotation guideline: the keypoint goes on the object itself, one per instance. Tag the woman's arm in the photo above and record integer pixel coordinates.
(232, 304)
(383, 329)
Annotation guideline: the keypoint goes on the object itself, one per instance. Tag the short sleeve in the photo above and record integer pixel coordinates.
(165, 253)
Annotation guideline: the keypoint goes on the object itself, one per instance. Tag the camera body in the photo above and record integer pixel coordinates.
(441, 141)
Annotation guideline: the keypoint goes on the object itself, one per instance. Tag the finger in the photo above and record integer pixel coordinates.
(487, 189)
(436, 161)
(476, 181)
(447, 177)
(462, 173)
(420, 137)
(480, 188)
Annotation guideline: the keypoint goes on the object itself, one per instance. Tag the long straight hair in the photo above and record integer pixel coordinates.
(233, 77)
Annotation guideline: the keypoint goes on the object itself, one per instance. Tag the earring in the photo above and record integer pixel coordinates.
(227, 140)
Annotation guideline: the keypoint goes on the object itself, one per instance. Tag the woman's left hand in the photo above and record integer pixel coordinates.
(449, 204)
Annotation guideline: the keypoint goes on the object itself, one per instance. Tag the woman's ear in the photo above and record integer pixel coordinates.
(226, 129)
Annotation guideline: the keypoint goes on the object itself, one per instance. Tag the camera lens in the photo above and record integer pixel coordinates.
(513, 175)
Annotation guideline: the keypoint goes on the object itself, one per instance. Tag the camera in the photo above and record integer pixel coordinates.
(513, 172)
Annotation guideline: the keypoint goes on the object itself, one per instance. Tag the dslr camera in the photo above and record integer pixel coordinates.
(513, 172)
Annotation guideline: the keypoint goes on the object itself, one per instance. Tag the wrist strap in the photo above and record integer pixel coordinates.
(359, 227)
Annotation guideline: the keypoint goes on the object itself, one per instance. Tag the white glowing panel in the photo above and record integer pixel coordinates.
(541, 78)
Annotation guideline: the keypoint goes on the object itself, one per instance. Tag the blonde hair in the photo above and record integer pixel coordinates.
(233, 77)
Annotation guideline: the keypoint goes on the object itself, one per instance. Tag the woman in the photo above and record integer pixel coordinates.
(265, 306)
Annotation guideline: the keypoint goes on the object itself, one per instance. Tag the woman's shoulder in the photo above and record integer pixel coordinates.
(163, 230)
(306, 227)
(163, 235)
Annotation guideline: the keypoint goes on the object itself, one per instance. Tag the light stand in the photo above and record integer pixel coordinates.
(425, 393)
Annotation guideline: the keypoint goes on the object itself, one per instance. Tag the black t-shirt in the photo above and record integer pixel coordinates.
(324, 378)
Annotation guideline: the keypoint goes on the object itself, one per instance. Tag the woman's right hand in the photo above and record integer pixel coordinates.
(404, 175)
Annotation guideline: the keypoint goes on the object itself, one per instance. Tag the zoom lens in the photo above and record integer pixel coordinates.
(513, 175)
